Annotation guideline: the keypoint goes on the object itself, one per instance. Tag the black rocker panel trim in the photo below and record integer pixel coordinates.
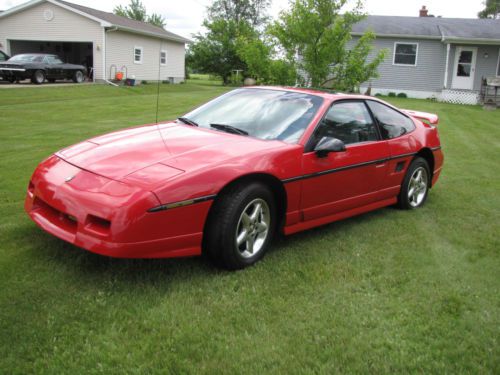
(187, 202)
(334, 170)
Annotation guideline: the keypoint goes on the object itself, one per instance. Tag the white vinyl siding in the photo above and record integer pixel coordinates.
(64, 26)
(427, 76)
(138, 51)
(118, 53)
(405, 54)
(163, 57)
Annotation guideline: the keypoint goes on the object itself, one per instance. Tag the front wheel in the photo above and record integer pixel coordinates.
(415, 185)
(241, 226)
(78, 76)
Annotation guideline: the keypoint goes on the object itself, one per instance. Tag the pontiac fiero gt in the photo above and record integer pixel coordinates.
(226, 177)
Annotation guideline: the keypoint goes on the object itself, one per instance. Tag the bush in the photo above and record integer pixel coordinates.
(392, 95)
(402, 95)
(378, 94)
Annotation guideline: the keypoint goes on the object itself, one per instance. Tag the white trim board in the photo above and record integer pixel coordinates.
(498, 64)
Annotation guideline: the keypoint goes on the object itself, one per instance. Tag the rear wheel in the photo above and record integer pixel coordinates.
(38, 77)
(415, 185)
(241, 226)
(78, 76)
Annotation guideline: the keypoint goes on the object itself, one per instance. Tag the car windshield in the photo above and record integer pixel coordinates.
(27, 58)
(261, 113)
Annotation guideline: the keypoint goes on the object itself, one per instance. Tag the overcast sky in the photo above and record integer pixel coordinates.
(184, 17)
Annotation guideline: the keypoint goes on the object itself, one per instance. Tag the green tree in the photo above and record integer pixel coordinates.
(316, 33)
(491, 9)
(229, 24)
(137, 11)
(262, 64)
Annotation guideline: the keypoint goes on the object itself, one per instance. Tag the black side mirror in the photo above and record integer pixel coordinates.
(327, 145)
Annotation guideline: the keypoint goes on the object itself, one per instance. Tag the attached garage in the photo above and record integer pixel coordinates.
(81, 53)
(104, 42)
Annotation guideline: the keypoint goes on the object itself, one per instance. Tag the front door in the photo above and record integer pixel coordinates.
(344, 180)
(465, 67)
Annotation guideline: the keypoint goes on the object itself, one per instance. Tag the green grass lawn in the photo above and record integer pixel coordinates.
(386, 292)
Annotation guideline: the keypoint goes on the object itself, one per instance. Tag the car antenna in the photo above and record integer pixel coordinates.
(158, 99)
(158, 84)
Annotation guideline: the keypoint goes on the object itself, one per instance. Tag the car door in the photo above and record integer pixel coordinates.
(54, 67)
(397, 129)
(344, 180)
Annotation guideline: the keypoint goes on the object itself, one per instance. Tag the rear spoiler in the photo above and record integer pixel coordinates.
(430, 118)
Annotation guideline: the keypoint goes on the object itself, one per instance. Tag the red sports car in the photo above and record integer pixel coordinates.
(224, 178)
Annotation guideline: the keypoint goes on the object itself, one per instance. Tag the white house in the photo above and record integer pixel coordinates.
(103, 41)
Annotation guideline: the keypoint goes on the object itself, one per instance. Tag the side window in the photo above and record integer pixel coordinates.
(392, 123)
(53, 60)
(3, 57)
(137, 55)
(348, 121)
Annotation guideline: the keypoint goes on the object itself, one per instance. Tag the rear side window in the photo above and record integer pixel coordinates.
(392, 123)
(3, 57)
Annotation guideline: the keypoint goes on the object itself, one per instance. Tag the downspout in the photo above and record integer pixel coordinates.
(447, 63)
(104, 55)
(445, 83)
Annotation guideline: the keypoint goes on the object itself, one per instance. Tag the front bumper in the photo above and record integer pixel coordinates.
(13, 73)
(108, 217)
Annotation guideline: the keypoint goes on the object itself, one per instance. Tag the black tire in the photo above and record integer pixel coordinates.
(78, 76)
(38, 77)
(51, 80)
(414, 192)
(226, 221)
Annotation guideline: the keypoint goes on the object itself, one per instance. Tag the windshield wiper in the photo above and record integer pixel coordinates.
(187, 121)
(229, 129)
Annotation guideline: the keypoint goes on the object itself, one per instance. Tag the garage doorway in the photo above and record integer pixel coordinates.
(81, 53)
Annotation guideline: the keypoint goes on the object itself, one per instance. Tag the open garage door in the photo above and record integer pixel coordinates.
(70, 52)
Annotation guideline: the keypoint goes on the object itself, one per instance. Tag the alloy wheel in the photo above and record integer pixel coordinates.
(253, 228)
(417, 188)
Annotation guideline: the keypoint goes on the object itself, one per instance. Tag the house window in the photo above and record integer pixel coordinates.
(405, 54)
(138, 55)
(163, 57)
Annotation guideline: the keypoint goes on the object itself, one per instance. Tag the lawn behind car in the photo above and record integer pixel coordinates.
(386, 292)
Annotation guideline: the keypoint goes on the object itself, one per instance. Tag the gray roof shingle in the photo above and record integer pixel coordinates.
(432, 27)
(127, 23)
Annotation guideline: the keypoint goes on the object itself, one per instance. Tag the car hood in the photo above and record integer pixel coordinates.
(159, 151)
(12, 64)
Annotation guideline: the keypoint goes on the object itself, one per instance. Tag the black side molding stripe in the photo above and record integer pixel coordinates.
(187, 202)
(378, 161)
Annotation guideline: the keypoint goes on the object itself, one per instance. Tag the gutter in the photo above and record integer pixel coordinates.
(403, 36)
(442, 38)
(470, 40)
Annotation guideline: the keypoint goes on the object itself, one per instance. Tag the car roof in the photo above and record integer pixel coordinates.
(324, 93)
(37, 54)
